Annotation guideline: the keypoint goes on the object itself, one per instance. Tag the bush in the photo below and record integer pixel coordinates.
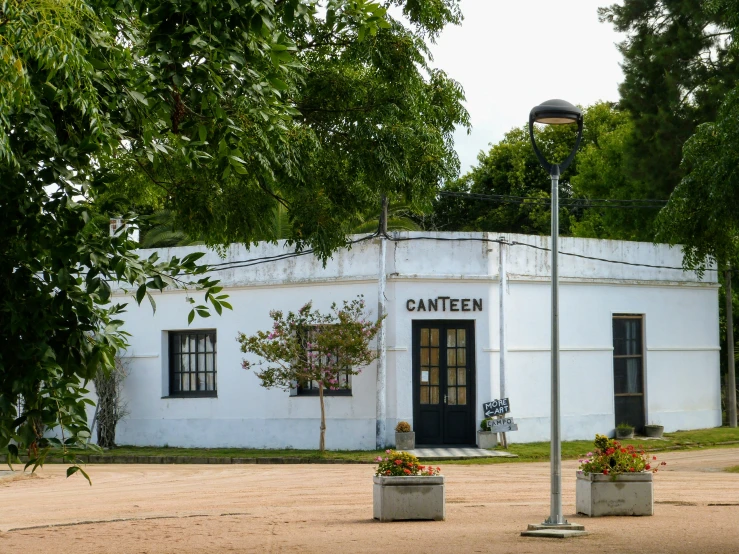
(403, 427)
(400, 464)
(484, 424)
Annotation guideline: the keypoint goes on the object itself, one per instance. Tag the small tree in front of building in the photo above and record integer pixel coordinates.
(311, 349)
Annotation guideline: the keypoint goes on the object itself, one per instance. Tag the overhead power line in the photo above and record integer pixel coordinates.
(268, 259)
(564, 202)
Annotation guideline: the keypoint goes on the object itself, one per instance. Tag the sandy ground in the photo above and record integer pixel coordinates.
(328, 508)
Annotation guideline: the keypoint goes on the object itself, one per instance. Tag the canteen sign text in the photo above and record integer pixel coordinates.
(440, 304)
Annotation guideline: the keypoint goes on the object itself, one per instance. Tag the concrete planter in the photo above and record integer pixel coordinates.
(405, 441)
(404, 498)
(630, 494)
(654, 431)
(486, 439)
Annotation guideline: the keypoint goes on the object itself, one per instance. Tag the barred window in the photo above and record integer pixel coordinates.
(310, 388)
(192, 363)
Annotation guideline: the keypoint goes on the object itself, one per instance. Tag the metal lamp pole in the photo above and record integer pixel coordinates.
(555, 112)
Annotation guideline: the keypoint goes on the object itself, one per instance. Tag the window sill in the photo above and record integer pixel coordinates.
(314, 394)
(204, 394)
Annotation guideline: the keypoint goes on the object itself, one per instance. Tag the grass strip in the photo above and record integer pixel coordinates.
(526, 452)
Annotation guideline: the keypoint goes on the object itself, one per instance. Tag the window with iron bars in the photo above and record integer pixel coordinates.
(192, 363)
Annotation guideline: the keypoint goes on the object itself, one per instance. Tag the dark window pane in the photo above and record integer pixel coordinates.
(627, 373)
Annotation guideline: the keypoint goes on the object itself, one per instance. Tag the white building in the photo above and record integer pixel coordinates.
(443, 344)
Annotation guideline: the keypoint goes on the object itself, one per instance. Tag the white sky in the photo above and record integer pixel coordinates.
(510, 55)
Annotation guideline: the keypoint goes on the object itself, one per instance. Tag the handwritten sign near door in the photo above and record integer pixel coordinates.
(503, 425)
(497, 407)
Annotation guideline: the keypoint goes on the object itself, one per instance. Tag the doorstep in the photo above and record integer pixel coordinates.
(458, 453)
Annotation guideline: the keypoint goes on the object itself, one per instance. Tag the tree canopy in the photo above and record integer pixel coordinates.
(678, 64)
(217, 111)
(510, 169)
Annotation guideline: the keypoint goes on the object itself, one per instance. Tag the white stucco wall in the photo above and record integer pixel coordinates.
(680, 318)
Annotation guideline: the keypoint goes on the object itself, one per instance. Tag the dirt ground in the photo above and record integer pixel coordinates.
(328, 508)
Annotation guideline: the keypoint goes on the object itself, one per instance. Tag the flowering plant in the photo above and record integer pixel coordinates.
(610, 458)
(399, 464)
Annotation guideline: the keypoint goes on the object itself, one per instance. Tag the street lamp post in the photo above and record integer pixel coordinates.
(555, 112)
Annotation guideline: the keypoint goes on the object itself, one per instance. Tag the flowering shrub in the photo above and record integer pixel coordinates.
(311, 347)
(610, 458)
(399, 464)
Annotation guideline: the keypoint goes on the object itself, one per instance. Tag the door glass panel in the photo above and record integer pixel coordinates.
(462, 395)
(451, 338)
(461, 376)
(434, 395)
(452, 399)
(434, 356)
(451, 357)
(461, 356)
(451, 377)
(424, 356)
(461, 337)
(434, 337)
(434, 375)
(424, 395)
(424, 376)
(424, 337)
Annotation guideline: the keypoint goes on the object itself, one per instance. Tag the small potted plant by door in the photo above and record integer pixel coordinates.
(485, 438)
(405, 439)
(405, 490)
(624, 431)
(654, 431)
(615, 480)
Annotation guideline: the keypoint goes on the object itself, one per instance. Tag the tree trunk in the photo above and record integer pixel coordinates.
(322, 441)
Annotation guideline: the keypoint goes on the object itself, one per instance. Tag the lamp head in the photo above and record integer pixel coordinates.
(555, 112)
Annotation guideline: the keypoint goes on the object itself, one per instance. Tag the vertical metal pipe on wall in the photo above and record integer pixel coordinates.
(503, 282)
(731, 376)
(381, 402)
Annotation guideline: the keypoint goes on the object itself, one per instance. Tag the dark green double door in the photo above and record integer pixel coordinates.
(444, 382)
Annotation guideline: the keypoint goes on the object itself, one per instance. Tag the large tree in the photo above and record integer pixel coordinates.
(678, 65)
(195, 104)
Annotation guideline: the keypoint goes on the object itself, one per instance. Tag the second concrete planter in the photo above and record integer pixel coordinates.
(631, 494)
(404, 498)
(486, 439)
(405, 441)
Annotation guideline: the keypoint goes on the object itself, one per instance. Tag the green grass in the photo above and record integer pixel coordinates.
(529, 452)
(734, 469)
(349, 455)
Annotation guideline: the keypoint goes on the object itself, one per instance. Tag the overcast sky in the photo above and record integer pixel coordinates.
(510, 55)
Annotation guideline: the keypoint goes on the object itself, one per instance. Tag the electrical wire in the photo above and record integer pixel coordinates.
(267, 259)
(564, 202)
